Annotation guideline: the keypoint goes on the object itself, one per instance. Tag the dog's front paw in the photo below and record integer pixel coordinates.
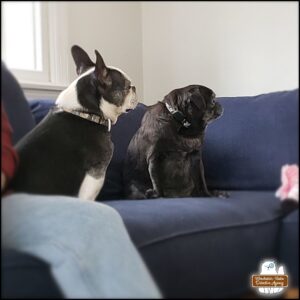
(150, 193)
(220, 194)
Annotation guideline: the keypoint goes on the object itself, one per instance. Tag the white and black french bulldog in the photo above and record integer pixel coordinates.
(164, 156)
(69, 151)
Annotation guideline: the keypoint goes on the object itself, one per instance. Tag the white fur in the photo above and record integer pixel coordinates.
(90, 187)
(68, 97)
(112, 111)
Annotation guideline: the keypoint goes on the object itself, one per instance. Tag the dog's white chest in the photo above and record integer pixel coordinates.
(90, 187)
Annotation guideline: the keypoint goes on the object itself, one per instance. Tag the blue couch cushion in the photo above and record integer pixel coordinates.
(204, 247)
(246, 148)
(15, 104)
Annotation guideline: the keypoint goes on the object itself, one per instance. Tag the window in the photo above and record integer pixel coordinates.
(24, 40)
(35, 42)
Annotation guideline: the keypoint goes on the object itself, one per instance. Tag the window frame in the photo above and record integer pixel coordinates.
(36, 75)
(55, 63)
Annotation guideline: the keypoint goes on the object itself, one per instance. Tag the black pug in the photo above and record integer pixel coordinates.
(164, 156)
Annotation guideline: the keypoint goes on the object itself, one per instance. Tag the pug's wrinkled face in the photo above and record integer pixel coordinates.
(198, 104)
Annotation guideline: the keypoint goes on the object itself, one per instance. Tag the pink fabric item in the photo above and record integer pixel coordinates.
(289, 183)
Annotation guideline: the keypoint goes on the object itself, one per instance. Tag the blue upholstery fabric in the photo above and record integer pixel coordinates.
(204, 247)
(15, 105)
(122, 133)
(246, 147)
(40, 108)
(24, 276)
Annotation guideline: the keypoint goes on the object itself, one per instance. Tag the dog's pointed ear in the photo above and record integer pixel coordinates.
(82, 60)
(101, 70)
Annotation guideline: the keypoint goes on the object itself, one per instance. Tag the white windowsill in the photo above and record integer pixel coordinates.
(42, 86)
(35, 90)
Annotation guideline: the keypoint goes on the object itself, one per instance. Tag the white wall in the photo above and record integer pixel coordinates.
(235, 48)
(114, 29)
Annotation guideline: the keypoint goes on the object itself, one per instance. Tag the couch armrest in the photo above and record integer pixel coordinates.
(289, 246)
(25, 276)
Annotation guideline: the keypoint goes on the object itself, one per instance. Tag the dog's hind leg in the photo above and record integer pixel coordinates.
(153, 169)
(201, 186)
(134, 193)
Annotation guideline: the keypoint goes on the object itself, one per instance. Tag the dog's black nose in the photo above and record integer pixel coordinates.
(133, 88)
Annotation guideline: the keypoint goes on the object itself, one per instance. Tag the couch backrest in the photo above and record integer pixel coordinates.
(244, 149)
(122, 133)
(256, 135)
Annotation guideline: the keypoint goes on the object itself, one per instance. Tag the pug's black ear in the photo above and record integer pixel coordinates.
(101, 70)
(197, 99)
(82, 60)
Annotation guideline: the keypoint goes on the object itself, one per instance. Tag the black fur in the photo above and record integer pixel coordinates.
(164, 158)
(57, 154)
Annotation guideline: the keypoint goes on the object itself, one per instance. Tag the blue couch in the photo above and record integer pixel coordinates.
(209, 247)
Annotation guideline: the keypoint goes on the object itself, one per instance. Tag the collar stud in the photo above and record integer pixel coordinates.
(178, 116)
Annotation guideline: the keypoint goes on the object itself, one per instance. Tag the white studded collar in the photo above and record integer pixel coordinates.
(88, 116)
